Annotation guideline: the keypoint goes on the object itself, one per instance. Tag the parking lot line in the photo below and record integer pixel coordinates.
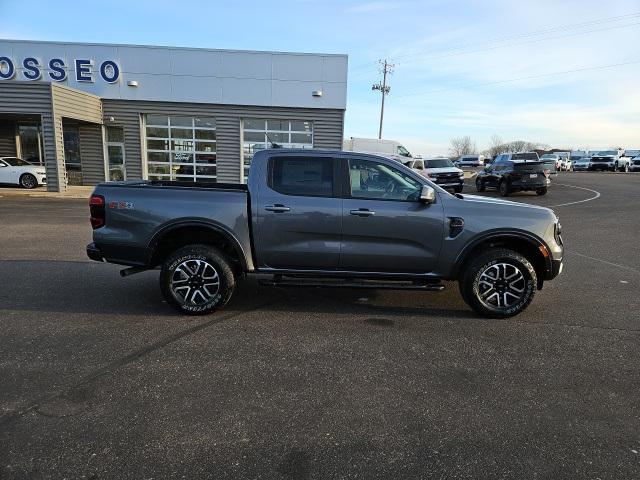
(597, 194)
(624, 267)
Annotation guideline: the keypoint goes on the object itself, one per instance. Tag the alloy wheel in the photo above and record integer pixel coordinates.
(28, 181)
(194, 282)
(501, 286)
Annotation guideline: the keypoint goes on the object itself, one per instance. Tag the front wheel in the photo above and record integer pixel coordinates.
(458, 189)
(541, 191)
(28, 181)
(626, 168)
(504, 189)
(196, 279)
(480, 187)
(498, 283)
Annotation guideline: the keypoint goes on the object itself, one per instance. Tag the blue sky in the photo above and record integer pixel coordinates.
(474, 67)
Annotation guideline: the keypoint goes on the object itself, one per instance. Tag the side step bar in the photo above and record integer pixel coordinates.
(355, 283)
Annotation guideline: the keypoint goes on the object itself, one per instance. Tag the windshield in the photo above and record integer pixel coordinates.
(403, 152)
(607, 152)
(525, 156)
(549, 155)
(438, 163)
(16, 162)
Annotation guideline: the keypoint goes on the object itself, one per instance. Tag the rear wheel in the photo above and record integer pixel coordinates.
(480, 186)
(196, 279)
(498, 283)
(541, 191)
(28, 181)
(504, 189)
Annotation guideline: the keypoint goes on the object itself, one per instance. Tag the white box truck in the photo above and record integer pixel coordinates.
(386, 148)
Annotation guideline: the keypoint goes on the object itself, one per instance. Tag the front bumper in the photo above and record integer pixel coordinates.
(448, 183)
(601, 166)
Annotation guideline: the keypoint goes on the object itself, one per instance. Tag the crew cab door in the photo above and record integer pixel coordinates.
(385, 228)
(299, 214)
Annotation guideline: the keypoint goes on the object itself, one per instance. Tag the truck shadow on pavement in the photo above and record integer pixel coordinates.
(77, 287)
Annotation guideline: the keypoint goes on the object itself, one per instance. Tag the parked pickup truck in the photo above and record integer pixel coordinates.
(325, 218)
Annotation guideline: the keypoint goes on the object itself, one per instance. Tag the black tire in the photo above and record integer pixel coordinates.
(625, 169)
(28, 181)
(480, 186)
(458, 189)
(503, 188)
(190, 268)
(476, 288)
(541, 191)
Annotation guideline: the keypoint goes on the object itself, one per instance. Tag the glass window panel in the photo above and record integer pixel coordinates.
(157, 132)
(158, 156)
(278, 125)
(184, 178)
(301, 126)
(181, 121)
(182, 145)
(155, 168)
(158, 177)
(205, 158)
(115, 134)
(206, 170)
(205, 134)
(181, 133)
(158, 144)
(205, 146)
(373, 180)
(182, 157)
(251, 148)
(157, 120)
(205, 122)
(277, 137)
(301, 138)
(303, 176)
(115, 155)
(254, 137)
(254, 124)
(183, 170)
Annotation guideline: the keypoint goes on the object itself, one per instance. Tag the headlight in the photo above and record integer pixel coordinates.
(461, 174)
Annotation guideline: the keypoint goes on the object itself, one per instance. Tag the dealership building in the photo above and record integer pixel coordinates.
(94, 112)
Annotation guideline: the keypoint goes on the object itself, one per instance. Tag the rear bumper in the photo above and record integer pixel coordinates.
(94, 253)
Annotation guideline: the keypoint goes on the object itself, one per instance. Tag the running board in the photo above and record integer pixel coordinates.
(342, 283)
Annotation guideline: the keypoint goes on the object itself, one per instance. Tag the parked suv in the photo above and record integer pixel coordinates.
(634, 166)
(440, 171)
(510, 176)
(470, 161)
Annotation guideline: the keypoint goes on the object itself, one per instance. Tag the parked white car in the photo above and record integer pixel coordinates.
(386, 148)
(470, 161)
(20, 172)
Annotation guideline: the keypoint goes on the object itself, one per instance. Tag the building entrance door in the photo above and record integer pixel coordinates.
(116, 166)
(30, 147)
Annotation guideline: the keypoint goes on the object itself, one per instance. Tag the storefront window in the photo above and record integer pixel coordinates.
(181, 148)
(258, 134)
(30, 143)
(115, 154)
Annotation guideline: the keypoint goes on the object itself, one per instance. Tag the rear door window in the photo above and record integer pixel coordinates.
(302, 176)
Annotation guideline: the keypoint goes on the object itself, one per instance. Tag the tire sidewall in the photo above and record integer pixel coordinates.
(479, 184)
(472, 283)
(26, 175)
(211, 256)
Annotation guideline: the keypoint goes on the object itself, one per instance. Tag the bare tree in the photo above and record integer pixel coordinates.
(462, 146)
(496, 146)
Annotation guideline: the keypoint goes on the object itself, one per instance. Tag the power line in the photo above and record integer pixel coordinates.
(453, 51)
(542, 75)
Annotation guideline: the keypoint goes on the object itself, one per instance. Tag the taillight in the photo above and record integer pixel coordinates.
(96, 207)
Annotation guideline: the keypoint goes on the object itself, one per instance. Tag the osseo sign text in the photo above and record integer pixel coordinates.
(32, 69)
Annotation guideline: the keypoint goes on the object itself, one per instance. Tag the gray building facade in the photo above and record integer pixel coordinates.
(93, 112)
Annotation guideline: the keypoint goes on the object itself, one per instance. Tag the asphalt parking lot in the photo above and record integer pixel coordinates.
(100, 379)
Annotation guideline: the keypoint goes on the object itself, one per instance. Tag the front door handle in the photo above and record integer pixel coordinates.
(277, 208)
(362, 212)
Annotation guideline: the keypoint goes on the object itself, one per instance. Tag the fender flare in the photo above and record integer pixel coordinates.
(169, 227)
(502, 234)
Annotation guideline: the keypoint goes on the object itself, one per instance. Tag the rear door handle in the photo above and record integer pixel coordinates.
(277, 208)
(362, 212)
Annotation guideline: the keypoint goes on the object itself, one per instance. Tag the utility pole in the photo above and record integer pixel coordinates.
(387, 68)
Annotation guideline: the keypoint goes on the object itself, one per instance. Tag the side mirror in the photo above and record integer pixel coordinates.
(427, 195)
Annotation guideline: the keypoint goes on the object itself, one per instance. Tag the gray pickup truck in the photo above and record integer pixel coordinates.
(325, 218)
